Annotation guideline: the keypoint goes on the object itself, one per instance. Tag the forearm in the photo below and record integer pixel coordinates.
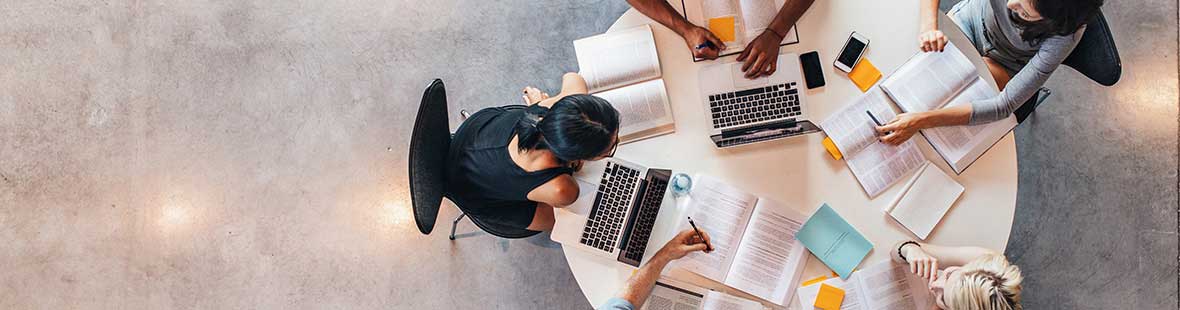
(789, 15)
(640, 284)
(929, 15)
(952, 116)
(663, 13)
(571, 84)
(955, 255)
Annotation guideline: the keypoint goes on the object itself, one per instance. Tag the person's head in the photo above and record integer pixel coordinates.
(987, 283)
(1041, 19)
(577, 127)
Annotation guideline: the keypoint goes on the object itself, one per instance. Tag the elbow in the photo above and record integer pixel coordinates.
(565, 196)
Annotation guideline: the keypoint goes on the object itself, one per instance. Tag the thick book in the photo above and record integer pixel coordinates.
(924, 200)
(753, 239)
(930, 81)
(623, 68)
(881, 286)
(875, 164)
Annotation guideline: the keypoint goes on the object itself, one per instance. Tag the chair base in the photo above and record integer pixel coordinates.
(455, 224)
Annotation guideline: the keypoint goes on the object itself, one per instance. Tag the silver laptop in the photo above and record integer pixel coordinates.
(743, 111)
(615, 218)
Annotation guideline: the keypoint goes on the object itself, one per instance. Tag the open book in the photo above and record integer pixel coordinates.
(882, 286)
(925, 200)
(754, 245)
(875, 164)
(673, 295)
(930, 81)
(623, 68)
(745, 20)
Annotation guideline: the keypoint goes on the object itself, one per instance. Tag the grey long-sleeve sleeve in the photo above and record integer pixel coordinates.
(1027, 81)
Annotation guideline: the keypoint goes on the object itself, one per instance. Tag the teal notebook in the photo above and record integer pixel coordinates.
(834, 241)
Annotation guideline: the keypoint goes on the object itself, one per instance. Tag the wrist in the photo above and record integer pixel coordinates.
(929, 25)
(658, 261)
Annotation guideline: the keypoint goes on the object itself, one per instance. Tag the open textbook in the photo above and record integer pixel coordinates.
(875, 164)
(754, 245)
(673, 295)
(623, 68)
(736, 22)
(930, 81)
(882, 286)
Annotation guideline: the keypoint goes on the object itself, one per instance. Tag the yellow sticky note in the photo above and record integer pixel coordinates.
(864, 75)
(830, 297)
(831, 147)
(723, 28)
(814, 281)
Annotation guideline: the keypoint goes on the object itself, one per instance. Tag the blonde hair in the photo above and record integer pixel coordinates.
(988, 283)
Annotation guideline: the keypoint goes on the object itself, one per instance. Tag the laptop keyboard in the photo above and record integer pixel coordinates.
(645, 219)
(754, 105)
(610, 206)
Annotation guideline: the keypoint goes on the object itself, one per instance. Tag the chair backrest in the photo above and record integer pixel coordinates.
(1096, 56)
(428, 152)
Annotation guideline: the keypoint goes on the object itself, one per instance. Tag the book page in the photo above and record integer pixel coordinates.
(880, 165)
(928, 198)
(770, 260)
(618, 58)
(961, 145)
(715, 300)
(880, 286)
(641, 107)
(928, 80)
(758, 14)
(851, 128)
(722, 211)
(890, 286)
(667, 297)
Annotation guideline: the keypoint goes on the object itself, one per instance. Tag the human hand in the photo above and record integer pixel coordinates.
(761, 55)
(685, 242)
(900, 129)
(932, 40)
(532, 95)
(921, 263)
(695, 36)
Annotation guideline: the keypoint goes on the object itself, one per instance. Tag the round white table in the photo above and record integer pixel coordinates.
(798, 171)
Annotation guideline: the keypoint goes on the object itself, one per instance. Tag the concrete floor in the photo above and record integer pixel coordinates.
(250, 154)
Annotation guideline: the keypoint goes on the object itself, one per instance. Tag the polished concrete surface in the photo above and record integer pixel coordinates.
(250, 154)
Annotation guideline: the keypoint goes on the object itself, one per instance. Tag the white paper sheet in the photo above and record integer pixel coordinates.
(770, 260)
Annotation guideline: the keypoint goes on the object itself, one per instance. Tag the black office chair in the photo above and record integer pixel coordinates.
(429, 144)
(1096, 57)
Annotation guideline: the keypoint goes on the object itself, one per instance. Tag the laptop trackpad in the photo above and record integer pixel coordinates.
(586, 194)
(740, 81)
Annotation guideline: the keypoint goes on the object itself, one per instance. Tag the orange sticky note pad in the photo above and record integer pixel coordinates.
(723, 28)
(829, 298)
(831, 147)
(864, 75)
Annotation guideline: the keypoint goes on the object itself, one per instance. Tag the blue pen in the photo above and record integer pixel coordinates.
(706, 44)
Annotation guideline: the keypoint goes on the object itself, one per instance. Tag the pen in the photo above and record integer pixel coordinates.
(706, 44)
(875, 121)
(698, 232)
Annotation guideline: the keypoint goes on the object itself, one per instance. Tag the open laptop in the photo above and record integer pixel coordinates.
(615, 218)
(743, 111)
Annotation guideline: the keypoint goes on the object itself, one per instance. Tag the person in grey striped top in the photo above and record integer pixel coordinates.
(1022, 43)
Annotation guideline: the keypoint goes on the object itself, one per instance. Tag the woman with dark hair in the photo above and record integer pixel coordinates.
(510, 166)
(1022, 43)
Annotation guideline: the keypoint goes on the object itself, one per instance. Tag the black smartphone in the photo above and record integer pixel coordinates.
(812, 72)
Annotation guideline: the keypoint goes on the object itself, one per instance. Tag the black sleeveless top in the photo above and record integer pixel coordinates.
(481, 176)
